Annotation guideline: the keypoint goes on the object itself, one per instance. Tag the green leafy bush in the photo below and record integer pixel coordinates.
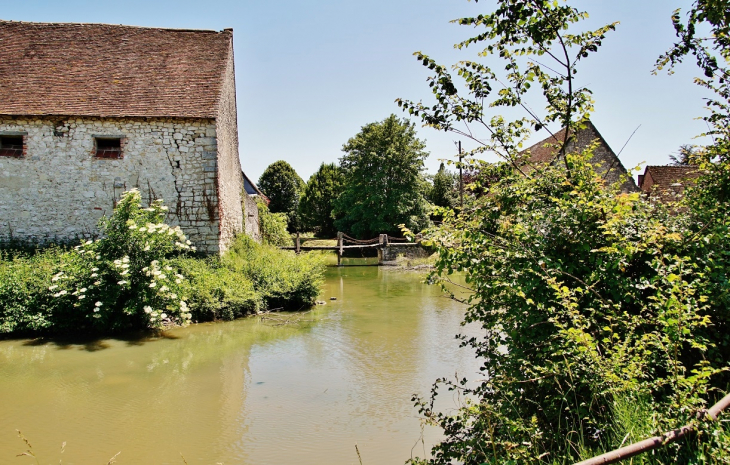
(588, 299)
(604, 317)
(137, 276)
(120, 281)
(248, 278)
(272, 226)
(285, 280)
(25, 302)
(215, 292)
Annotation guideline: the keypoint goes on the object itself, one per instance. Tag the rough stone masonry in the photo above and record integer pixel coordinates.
(88, 111)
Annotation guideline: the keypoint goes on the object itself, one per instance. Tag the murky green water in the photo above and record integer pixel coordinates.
(246, 392)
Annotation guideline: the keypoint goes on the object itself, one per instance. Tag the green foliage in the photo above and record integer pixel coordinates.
(444, 191)
(592, 302)
(586, 297)
(709, 201)
(120, 281)
(384, 181)
(283, 186)
(25, 302)
(317, 204)
(272, 226)
(250, 277)
(686, 155)
(216, 292)
(285, 280)
(136, 276)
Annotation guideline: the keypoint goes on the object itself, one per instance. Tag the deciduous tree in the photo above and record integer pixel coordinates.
(384, 179)
(283, 186)
(317, 204)
(443, 192)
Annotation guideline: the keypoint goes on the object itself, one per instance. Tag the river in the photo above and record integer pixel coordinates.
(253, 391)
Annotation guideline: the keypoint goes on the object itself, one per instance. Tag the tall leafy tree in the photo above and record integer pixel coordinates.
(384, 180)
(317, 204)
(444, 193)
(283, 186)
(686, 155)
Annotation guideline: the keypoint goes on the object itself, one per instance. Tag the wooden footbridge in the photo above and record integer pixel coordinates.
(388, 247)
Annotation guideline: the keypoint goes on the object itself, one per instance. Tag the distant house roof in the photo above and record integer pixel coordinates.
(610, 168)
(111, 71)
(252, 189)
(665, 183)
(545, 150)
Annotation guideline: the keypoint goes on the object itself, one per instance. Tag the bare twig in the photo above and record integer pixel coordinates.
(358, 454)
(113, 459)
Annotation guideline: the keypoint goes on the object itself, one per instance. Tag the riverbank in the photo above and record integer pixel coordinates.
(143, 274)
(248, 279)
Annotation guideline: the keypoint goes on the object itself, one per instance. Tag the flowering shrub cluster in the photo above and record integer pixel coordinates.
(139, 274)
(124, 279)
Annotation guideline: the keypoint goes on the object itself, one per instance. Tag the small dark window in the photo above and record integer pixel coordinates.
(108, 147)
(11, 146)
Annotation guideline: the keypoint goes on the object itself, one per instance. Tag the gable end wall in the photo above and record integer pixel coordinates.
(230, 178)
(608, 164)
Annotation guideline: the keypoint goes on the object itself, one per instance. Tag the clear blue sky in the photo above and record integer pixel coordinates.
(311, 73)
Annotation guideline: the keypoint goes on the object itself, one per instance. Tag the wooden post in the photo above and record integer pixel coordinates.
(461, 180)
(382, 241)
(339, 245)
(298, 246)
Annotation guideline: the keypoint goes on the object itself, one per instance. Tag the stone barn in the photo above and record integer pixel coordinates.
(88, 111)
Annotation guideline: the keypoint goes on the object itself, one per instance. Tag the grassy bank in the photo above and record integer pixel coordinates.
(143, 274)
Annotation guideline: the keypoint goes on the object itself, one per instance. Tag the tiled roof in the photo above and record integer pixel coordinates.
(666, 182)
(110, 71)
(605, 161)
(545, 150)
(252, 189)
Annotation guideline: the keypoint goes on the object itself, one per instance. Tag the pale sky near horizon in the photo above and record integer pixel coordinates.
(310, 74)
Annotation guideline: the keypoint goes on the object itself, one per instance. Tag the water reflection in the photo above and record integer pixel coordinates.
(245, 392)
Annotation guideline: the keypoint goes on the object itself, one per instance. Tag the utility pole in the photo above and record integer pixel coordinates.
(461, 179)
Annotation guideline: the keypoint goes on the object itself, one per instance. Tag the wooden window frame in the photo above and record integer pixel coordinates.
(13, 150)
(108, 147)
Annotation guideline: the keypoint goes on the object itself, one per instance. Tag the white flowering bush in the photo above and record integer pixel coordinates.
(139, 274)
(124, 280)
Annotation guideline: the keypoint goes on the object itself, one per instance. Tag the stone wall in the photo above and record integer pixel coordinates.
(409, 250)
(58, 189)
(251, 217)
(230, 177)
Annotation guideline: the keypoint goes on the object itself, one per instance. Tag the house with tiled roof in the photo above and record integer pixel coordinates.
(605, 160)
(88, 111)
(667, 183)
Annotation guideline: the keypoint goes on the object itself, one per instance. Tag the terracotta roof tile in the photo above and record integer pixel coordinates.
(545, 150)
(604, 159)
(667, 182)
(110, 71)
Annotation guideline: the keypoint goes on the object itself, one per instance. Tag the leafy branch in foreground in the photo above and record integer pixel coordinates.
(523, 34)
(589, 299)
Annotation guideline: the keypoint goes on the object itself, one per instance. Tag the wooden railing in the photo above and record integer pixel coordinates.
(346, 242)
